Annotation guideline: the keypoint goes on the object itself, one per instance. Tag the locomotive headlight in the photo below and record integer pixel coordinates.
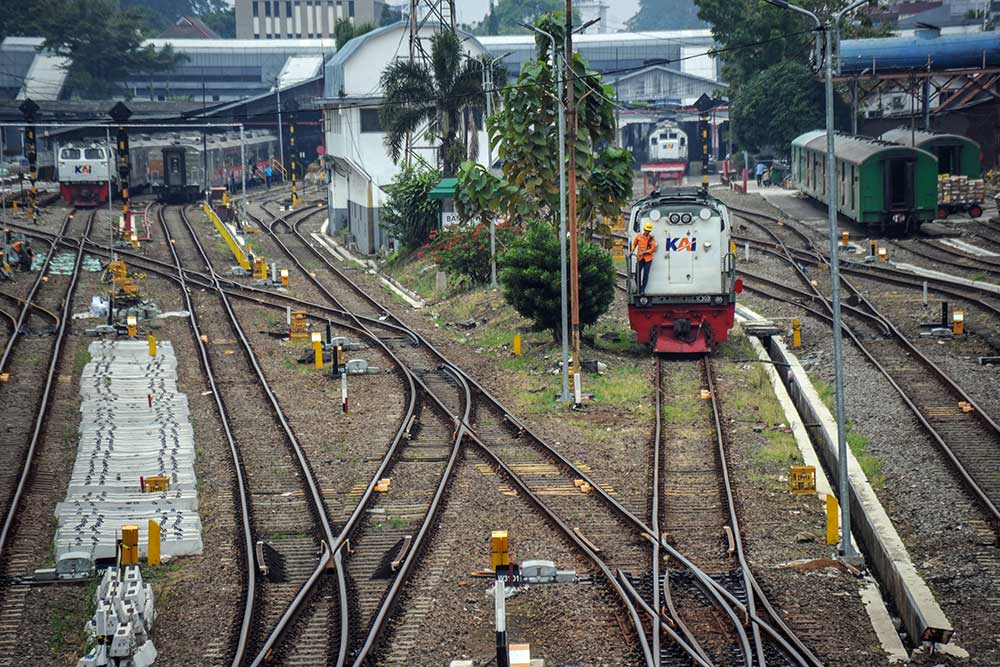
(708, 244)
(718, 300)
(704, 214)
(674, 218)
(643, 301)
(686, 218)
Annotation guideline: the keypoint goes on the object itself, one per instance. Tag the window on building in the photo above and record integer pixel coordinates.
(288, 8)
(256, 9)
(350, 8)
(267, 8)
(370, 121)
(277, 8)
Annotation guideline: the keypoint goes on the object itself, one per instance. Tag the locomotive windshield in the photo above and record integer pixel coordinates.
(70, 154)
(93, 154)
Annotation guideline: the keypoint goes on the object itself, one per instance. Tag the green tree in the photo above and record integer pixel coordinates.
(408, 214)
(390, 15)
(222, 22)
(344, 31)
(777, 105)
(507, 17)
(437, 95)
(104, 46)
(525, 134)
(665, 15)
(529, 275)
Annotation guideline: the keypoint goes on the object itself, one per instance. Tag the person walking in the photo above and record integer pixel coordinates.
(268, 173)
(759, 173)
(643, 247)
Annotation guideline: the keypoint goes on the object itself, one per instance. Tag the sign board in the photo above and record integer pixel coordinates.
(802, 479)
(449, 218)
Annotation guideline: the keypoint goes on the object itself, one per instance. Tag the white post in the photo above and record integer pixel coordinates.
(343, 390)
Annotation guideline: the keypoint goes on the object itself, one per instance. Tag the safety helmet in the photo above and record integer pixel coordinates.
(648, 226)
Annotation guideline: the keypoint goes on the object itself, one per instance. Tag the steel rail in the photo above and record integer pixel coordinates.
(24, 474)
(965, 474)
(41, 310)
(26, 307)
(988, 265)
(246, 525)
(620, 509)
(313, 493)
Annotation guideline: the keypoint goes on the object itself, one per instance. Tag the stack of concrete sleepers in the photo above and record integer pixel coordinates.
(134, 424)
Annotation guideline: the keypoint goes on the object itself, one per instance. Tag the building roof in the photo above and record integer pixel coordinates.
(494, 42)
(445, 189)
(668, 70)
(189, 27)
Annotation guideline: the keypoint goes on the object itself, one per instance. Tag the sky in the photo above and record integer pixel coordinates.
(619, 11)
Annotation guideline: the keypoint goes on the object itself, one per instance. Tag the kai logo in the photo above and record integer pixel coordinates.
(81, 169)
(682, 244)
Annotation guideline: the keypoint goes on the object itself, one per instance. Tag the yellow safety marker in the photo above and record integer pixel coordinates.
(832, 519)
(500, 547)
(796, 333)
(132, 323)
(958, 322)
(153, 550)
(517, 345)
(802, 479)
(284, 277)
(317, 346)
(152, 345)
(297, 327)
(259, 268)
(883, 254)
(845, 239)
(382, 486)
(155, 484)
(130, 545)
(519, 655)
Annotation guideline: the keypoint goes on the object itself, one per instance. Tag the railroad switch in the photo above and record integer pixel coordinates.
(382, 486)
(126, 288)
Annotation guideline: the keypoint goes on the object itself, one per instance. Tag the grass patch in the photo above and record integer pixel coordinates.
(66, 626)
(615, 337)
(416, 274)
(81, 359)
(859, 444)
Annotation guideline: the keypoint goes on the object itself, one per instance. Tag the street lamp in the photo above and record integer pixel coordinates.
(829, 31)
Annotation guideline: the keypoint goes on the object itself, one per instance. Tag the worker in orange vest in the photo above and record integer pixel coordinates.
(25, 256)
(643, 247)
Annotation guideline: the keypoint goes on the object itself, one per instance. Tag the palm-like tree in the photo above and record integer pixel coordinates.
(439, 95)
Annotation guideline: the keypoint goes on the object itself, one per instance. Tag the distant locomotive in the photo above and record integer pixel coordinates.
(667, 152)
(690, 300)
(887, 186)
(82, 171)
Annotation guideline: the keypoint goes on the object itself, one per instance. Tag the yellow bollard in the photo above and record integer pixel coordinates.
(133, 325)
(500, 549)
(284, 277)
(796, 333)
(958, 322)
(130, 545)
(317, 346)
(153, 550)
(832, 519)
(845, 239)
(883, 254)
(152, 345)
(517, 345)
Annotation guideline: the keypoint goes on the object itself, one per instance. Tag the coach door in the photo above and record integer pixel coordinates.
(898, 189)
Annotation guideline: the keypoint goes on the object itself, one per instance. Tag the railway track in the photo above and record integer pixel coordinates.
(28, 404)
(597, 522)
(279, 496)
(968, 438)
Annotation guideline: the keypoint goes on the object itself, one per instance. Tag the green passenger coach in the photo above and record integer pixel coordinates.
(956, 155)
(888, 186)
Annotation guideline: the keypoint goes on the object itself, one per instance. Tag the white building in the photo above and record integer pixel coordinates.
(354, 137)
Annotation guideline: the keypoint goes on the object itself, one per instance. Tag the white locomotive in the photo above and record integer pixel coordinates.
(83, 173)
(667, 155)
(689, 302)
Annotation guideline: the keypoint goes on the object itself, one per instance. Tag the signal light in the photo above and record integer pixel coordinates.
(738, 286)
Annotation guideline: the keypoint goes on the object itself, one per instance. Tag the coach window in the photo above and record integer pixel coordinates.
(93, 154)
(70, 154)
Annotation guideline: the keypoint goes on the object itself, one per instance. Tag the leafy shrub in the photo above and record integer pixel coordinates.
(409, 214)
(464, 250)
(530, 278)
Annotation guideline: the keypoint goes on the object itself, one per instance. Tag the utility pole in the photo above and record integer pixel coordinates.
(574, 268)
(488, 64)
(828, 32)
(28, 109)
(292, 108)
(281, 139)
